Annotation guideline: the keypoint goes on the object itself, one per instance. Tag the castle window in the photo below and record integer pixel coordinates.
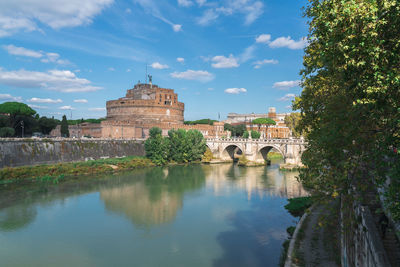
(167, 102)
(122, 102)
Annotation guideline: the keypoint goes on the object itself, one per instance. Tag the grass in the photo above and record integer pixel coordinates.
(56, 172)
(274, 155)
(297, 206)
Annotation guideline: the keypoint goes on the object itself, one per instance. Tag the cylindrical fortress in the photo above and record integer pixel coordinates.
(147, 103)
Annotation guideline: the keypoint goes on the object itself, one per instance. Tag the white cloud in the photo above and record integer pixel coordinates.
(210, 89)
(208, 16)
(259, 63)
(235, 90)
(286, 84)
(10, 97)
(97, 109)
(224, 62)
(37, 106)
(248, 53)
(80, 101)
(251, 9)
(128, 10)
(196, 75)
(17, 15)
(185, 3)
(128, 70)
(201, 2)
(44, 100)
(159, 66)
(263, 38)
(152, 7)
(289, 43)
(45, 57)
(56, 80)
(21, 51)
(177, 27)
(180, 59)
(287, 97)
(111, 69)
(66, 108)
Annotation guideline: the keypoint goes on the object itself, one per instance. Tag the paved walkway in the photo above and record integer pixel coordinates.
(320, 237)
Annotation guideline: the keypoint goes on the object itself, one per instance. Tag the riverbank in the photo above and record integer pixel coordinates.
(58, 171)
(316, 241)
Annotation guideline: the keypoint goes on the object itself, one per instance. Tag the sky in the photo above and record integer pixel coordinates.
(71, 56)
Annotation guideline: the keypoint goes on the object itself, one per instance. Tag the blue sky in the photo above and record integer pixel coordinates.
(63, 56)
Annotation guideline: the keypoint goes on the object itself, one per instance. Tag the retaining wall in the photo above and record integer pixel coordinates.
(21, 152)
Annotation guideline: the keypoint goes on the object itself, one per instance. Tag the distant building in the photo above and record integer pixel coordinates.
(280, 130)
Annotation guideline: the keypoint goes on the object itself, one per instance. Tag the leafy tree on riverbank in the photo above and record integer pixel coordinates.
(180, 146)
(15, 110)
(292, 121)
(64, 127)
(350, 103)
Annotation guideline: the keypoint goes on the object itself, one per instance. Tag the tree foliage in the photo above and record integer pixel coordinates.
(264, 121)
(180, 146)
(202, 121)
(14, 109)
(7, 132)
(47, 124)
(236, 130)
(292, 121)
(246, 134)
(255, 134)
(64, 127)
(350, 103)
(157, 147)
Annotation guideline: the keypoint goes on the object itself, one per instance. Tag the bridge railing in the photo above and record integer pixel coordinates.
(264, 140)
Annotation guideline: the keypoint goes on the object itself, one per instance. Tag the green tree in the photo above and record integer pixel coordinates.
(14, 109)
(350, 103)
(246, 134)
(255, 134)
(47, 124)
(292, 121)
(64, 127)
(7, 132)
(157, 147)
(264, 121)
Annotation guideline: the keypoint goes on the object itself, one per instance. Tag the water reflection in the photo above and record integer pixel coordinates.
(16, 217)
(261, 181)
(155, 199)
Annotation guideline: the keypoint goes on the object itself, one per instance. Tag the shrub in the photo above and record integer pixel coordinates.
(7, 132)
(255, 135)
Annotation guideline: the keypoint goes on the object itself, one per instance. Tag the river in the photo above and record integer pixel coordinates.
(194, 215)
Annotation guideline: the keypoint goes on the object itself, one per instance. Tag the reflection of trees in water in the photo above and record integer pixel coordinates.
(268, 180)
(16, 217)
(156, 198)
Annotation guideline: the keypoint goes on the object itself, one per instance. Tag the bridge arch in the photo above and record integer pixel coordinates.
(231, 151)
(263, 151)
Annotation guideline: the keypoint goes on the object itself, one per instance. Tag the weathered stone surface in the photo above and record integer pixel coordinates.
(20, 152)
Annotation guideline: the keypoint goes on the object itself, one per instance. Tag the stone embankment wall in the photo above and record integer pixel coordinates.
(361, 244)
(21, 152)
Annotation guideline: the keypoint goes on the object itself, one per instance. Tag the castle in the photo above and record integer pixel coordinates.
(146, 106)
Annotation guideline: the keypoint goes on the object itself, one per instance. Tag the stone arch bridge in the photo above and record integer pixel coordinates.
(257, 149)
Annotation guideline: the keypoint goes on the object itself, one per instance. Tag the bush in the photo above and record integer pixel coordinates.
(246, 134)
(7, 132)
(297, 206)
(243, 160)
(208, 156)
(255, 134)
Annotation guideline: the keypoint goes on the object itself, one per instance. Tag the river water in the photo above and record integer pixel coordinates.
(195, 215)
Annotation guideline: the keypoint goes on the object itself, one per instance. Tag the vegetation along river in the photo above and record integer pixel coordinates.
(193, 215)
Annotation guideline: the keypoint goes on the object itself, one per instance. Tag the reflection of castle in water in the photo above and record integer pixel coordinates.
(263, 181)
(134, 201)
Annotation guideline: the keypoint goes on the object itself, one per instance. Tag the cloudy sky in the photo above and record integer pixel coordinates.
(71, 56)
